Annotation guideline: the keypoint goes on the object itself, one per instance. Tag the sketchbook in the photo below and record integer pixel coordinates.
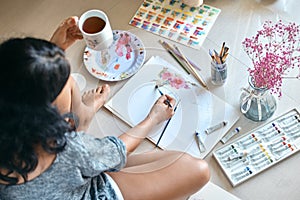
(197, 109)
(212, 192)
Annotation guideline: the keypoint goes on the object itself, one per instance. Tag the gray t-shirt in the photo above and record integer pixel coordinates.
(76, 173)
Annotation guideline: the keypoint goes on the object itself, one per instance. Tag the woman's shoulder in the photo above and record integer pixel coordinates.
(83, 143)
(101, 154)
(83, 139)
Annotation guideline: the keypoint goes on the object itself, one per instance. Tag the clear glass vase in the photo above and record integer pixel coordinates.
(257, 104)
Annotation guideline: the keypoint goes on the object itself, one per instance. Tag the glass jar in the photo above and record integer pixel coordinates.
(218, 73)
(257, 104)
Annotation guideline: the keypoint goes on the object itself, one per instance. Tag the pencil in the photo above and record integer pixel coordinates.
(192, 70)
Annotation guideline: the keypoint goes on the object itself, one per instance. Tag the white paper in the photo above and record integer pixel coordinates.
(213, 192)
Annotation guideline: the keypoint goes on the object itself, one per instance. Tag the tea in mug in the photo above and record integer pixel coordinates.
(93, 25)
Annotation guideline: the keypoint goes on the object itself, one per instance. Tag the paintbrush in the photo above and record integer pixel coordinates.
(217, 57)
(162, 133)
(161, 93)
(192, 70)
(173, 54)
(222, 50)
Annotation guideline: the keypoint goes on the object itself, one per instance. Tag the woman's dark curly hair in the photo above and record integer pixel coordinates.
(33, 73)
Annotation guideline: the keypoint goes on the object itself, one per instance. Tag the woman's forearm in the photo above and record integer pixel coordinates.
(133, 137)
(159, 112)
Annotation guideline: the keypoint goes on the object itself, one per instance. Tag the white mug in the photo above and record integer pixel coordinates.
(96, 30)
(193, 3)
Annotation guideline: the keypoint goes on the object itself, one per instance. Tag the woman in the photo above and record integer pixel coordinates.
(41, 157)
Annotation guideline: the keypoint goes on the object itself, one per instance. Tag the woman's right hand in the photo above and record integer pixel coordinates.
(161, 111)
(67, 33)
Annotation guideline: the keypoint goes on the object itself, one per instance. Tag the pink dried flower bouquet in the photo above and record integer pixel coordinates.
(274, 50)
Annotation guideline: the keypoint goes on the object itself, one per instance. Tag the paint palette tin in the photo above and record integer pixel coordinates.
(176, 21)
(260, 148)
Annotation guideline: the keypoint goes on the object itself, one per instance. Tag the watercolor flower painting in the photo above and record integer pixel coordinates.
(173, 79)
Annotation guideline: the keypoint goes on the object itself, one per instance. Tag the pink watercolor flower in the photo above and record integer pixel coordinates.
(173, 79)
(274, 50)
(177, 82)
(166, 75)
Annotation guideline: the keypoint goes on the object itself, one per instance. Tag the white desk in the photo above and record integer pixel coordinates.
(238, 19)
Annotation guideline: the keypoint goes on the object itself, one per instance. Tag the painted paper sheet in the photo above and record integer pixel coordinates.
(197, 108)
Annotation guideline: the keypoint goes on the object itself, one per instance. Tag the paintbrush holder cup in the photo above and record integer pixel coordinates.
(218, 73)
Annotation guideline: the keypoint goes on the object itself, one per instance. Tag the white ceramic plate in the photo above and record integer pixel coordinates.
(120, 61)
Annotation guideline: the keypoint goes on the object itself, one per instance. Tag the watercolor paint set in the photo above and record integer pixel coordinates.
(176, 21)
(260, 148)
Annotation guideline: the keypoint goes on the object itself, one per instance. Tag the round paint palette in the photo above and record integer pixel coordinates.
(120, 61)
